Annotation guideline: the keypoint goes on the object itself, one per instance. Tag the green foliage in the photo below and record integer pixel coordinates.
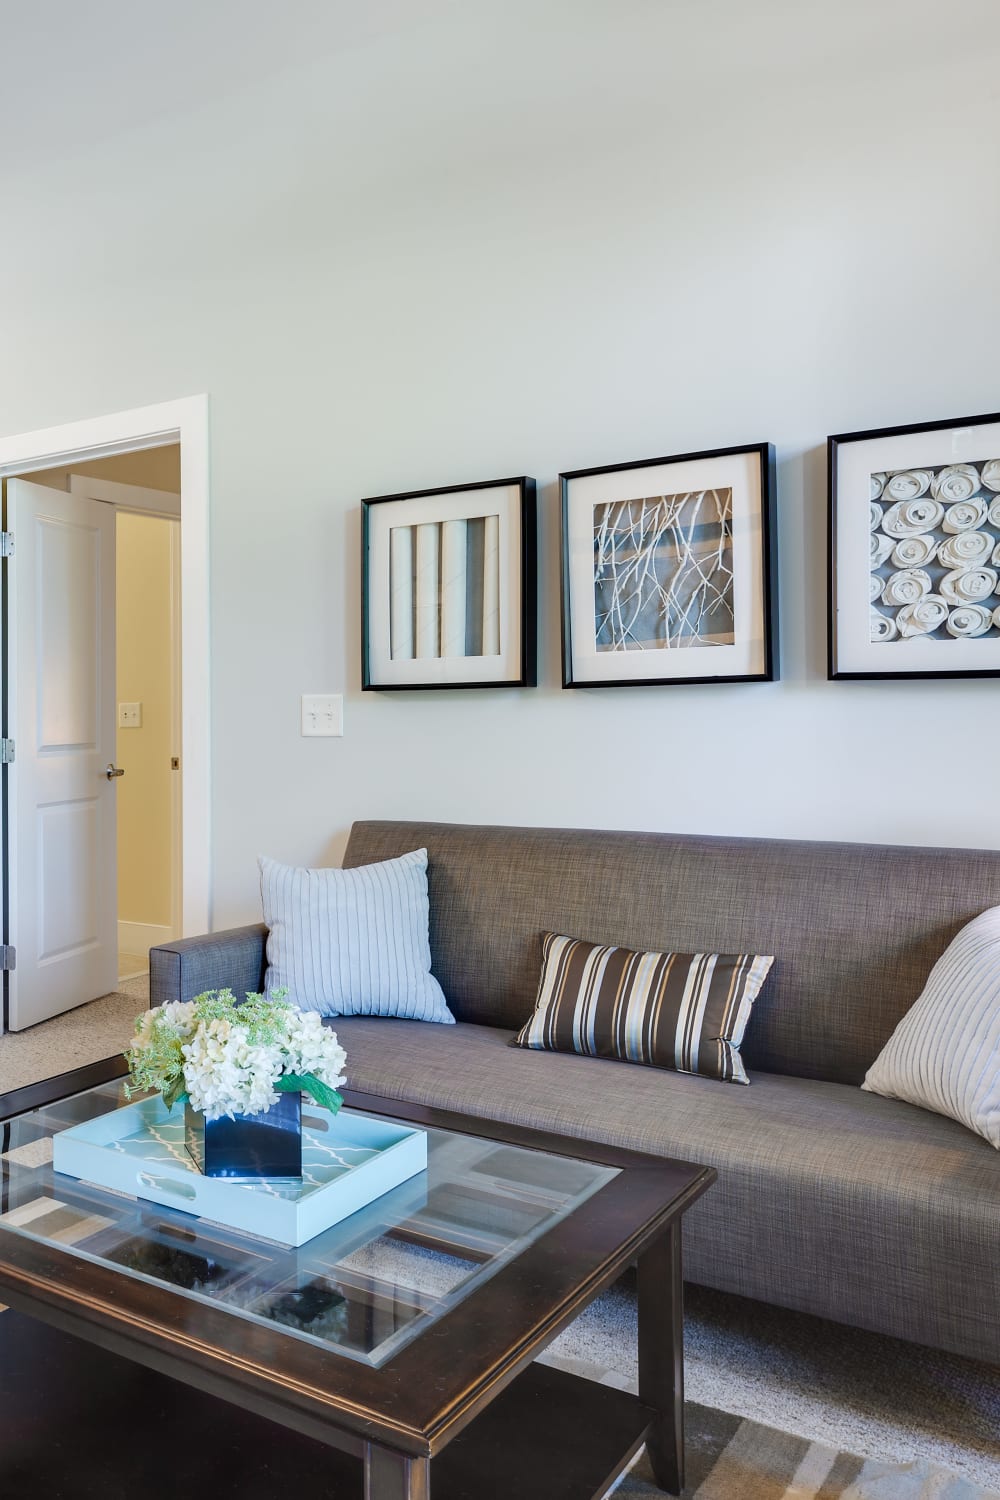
(262, 1017)
(174, 1093)
(308, 1083)
(155, 1058)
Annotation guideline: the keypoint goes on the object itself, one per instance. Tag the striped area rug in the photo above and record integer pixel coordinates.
(732, 1458)
(728, 1457)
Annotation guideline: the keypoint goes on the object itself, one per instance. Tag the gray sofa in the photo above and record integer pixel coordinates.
(829, 1200)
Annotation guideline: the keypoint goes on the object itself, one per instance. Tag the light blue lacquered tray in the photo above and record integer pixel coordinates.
(348, 1160)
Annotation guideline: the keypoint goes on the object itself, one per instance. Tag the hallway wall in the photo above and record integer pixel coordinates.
(144, 646)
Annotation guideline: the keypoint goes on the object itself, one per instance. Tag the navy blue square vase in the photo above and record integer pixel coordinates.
(248, 1146)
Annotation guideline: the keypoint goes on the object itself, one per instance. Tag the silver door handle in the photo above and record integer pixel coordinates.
(112, 771)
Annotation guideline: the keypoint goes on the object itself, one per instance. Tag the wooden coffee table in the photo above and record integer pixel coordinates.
(404, 1337)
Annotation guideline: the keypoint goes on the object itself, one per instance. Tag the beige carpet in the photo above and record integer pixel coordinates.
(732, 1458)
(86, 1034)
(887, 1401)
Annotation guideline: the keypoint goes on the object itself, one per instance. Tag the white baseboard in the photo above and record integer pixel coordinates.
(139, 937)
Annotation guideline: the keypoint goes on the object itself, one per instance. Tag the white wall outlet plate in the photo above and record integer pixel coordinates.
(322, 714)
(130, 716)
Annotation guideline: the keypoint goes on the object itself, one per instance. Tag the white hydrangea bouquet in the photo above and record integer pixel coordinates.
(227, 1057)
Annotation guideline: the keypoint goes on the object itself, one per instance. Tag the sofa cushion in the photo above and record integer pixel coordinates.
(686, 1011)
(855, 928)
(352, 942)
(831, 1200)
(945, 1052)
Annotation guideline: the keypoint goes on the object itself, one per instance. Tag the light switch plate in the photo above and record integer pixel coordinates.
(322, 714)
(130, 716)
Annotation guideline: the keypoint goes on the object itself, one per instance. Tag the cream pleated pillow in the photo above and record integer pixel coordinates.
(945, 1053)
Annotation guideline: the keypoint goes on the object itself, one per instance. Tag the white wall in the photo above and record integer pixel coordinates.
(494, 238)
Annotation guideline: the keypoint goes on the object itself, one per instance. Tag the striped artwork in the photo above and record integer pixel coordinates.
(444, 589)
(685, 1011)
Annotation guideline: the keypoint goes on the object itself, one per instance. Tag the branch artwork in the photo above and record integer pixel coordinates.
(663, 572)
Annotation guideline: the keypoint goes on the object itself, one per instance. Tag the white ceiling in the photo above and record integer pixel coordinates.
(261, 118)
(77, 71)
(74, 73)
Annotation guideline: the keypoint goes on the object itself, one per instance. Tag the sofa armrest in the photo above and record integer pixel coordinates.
(233, 960)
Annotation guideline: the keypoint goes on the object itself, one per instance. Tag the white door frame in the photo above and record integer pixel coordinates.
(185, 422)
(133, 497)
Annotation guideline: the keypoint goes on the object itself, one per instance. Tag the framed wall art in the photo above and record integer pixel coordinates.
(668, 570)
(448, 587)
(914, 581)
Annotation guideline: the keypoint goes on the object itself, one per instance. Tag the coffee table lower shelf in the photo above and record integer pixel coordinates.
(549, 1433)
(77, 1421)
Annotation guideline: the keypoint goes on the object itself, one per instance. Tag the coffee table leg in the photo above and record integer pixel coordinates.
(395, 1476)
(661, 1356)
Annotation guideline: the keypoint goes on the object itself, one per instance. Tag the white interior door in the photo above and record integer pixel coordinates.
(62, 845)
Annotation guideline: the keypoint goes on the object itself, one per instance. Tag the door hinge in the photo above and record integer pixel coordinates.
(6, 752)
(8, 958)
(6, 544)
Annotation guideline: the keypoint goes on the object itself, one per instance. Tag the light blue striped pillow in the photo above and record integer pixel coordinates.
(945, 1053)
(353, 942)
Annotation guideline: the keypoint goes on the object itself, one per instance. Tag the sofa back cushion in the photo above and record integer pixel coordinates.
(854, 928)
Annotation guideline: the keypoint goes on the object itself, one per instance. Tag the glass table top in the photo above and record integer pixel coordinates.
(364, 1288)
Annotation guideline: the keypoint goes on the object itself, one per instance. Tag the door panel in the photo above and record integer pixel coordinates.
(68, 852)
(61, 653)
(68, 605)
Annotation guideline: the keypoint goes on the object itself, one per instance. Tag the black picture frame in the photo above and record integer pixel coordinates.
(516, 626)
(758, 503)
(909, 454)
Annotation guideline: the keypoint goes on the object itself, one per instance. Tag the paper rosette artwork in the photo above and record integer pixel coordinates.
(449, 587)
(935, 552)
(667, 571)
(931, 499)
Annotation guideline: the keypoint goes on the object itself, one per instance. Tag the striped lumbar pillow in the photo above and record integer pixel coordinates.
(945, 1053)
(686, 1011)
(353, 942)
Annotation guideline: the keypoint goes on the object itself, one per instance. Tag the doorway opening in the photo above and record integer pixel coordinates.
(105, 777)
(143, 490)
